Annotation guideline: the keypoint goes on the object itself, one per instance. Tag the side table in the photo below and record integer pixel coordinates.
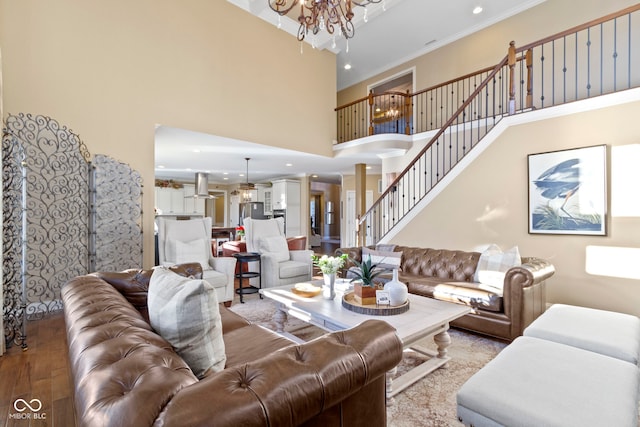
(243, 259)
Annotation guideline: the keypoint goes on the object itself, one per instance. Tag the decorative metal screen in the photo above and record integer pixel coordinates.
(14, 304)
(116, 216)
(56, 208)
(56, 223)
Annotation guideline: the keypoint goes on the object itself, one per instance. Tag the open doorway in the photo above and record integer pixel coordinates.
(315, 213)
(390, 111)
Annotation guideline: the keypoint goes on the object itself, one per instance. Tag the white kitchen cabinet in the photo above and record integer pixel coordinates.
(169, 200)
(173, 200)
(285, 195)
(264, 196)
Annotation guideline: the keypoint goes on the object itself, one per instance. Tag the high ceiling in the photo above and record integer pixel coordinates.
(396, 31)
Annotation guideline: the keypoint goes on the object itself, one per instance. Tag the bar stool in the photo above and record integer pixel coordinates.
(245, 258)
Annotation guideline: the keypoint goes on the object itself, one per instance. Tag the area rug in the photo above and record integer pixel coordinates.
(430, 401)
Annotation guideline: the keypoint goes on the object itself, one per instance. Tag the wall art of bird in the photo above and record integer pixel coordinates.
(560, 182)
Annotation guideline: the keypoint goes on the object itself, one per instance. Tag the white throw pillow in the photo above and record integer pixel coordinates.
(185, 312)
(388, 260)
(493, 264)
(193, 251)
(276, 245)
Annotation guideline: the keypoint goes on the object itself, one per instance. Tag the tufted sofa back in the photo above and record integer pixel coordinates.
(452, 265)
(125, 374)
(115, 357)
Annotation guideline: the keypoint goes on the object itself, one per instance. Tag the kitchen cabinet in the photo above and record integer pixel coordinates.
(172, 200)
(285, 195)
(264, 196)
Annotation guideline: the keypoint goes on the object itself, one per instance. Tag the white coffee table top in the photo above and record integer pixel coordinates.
(423, 317)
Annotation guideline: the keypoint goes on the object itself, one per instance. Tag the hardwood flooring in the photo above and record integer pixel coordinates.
(40, 372)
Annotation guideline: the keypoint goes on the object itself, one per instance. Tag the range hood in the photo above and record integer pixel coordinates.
(202, 186)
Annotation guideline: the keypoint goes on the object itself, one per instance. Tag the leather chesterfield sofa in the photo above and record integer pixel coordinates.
(449, 275)
(126, 374)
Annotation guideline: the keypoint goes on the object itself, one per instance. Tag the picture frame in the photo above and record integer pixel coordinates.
(568, 191)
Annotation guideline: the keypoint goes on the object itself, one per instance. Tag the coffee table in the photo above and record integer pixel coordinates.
(426, 318)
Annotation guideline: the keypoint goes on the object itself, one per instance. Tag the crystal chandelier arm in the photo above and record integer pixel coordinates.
(317, 15)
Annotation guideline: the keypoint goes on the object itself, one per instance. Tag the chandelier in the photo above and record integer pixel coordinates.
(318, 15)
(393, 112)
(247, 186)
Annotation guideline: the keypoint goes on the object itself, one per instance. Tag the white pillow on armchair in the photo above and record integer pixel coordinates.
(275, 245)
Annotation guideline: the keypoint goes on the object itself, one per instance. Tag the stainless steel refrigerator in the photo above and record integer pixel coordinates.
(253, 210)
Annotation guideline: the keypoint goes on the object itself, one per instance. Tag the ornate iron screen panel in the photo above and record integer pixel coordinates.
(116, 220)
(14, 293)
(62, 217)
(56, 205)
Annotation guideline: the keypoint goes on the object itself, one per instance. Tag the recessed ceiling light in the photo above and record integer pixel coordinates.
(367, 167)
(347, 66)
(289, 164)
(241, 174)
(314, 176)
(225, 178)
(160, 166)
(477, 10)
(225, 173)
(195, 150)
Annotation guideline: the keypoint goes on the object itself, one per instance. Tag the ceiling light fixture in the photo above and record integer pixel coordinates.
(393, 112)
(477, 10)
(317, 15)
(247, 185)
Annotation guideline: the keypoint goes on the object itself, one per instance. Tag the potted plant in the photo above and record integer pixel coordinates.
(329, 266)
(364, 287)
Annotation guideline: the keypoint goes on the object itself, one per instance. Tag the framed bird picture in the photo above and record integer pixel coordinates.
(567, 191)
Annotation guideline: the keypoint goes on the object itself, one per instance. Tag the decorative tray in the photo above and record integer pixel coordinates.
(349, 302)
(308, 291)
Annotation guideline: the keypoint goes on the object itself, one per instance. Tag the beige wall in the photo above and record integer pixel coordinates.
(112, 70)
(487, 47)
(488, 204)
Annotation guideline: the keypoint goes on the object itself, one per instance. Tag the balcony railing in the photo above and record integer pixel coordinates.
(593, 59)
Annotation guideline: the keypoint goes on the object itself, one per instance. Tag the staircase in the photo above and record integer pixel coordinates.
(586, 61)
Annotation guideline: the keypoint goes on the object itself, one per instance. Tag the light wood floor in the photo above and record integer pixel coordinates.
(41, 372)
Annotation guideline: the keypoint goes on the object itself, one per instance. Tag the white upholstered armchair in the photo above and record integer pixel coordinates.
(280, 266)
(190, 241)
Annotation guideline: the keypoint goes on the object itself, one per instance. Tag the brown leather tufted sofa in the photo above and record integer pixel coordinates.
(448, 275)
(125, 374)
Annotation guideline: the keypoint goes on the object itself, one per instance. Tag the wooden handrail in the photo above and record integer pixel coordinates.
(448, 123)
(515, 55)
(580, 27)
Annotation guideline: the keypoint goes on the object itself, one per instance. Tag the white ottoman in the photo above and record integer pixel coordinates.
(605, 332)
(535, 383)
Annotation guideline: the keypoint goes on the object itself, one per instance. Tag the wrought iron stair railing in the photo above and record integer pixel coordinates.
(599, 57)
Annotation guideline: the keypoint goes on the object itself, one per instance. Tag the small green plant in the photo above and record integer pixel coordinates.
(365, 271)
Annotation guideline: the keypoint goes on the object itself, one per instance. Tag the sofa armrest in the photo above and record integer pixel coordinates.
(297, 383)
(301, 256)
(353, 253)
(224, 264)
(524, 292)
(270, 270)
(227, 266)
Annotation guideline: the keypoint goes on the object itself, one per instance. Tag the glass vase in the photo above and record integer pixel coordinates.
(329, 288)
